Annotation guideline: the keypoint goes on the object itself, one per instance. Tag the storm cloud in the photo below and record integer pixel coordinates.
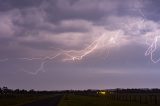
(45, 28)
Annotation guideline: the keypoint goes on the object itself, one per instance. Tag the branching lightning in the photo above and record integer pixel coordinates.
(73, 55)
(152, 49)
(102, 41)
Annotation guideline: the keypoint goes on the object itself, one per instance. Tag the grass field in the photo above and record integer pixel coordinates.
(84, 99)
(20, 100)
(77, 100)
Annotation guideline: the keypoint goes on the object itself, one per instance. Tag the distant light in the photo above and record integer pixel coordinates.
(101, 93)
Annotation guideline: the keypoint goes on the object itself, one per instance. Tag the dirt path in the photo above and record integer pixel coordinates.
(52, 101)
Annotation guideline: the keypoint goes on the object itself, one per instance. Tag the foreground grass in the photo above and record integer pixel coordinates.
(20, 100)
(76, 100)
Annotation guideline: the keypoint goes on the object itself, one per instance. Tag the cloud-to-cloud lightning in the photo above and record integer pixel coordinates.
(72, 55)
(129, 29)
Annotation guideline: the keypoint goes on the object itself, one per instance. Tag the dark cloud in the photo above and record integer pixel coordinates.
(42, 45)
(32, 28)
(151, 10)
(6, 5)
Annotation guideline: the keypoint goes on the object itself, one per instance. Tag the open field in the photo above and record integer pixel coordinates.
(51, 101)
(112, 97)
(22, 99)
(68, 100)
(78, 100)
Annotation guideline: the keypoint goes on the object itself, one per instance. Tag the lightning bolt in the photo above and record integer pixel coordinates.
(40, 69)
(152, 49)
(102, 41)
(73, 55)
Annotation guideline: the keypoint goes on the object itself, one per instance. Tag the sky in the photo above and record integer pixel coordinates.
(79, 44)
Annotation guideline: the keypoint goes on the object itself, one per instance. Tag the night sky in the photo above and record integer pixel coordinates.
(79, 44)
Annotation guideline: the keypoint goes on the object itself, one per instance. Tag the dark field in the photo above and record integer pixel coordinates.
(77, 100)
(51, 101)
(116, 97)
(31, 100)
(9, 97)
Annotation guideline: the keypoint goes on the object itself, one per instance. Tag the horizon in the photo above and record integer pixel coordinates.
(59, 90)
